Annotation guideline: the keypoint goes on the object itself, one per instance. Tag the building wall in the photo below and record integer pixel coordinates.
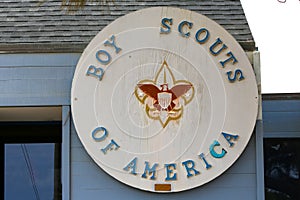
(36, 79)
(88, 181)
(281, 116)
(45, 79)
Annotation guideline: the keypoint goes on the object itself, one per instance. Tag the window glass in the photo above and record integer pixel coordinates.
(282, 168)
(29, 171)
(30, 160)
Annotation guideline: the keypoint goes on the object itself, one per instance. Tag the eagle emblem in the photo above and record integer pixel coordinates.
(164, 97)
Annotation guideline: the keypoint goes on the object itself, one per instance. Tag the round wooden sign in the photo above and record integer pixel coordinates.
(164, 99)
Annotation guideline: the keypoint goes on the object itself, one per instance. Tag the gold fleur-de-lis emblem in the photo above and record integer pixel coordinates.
(164, 97)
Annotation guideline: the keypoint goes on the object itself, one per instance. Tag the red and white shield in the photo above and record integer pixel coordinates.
(164, 99)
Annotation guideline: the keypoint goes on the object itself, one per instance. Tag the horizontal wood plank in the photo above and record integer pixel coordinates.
(281, 106)
(281, 121)
(38, 60)
(25, 86)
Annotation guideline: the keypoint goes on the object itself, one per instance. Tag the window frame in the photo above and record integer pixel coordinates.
(30, 133)
(262, 135)
(64, 125)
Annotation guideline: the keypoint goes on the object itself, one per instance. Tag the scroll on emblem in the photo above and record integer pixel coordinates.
(164, 97)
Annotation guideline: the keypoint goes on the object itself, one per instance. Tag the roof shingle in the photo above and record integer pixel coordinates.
(28, 26)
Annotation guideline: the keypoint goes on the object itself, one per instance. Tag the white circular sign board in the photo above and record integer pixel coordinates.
(164, 99)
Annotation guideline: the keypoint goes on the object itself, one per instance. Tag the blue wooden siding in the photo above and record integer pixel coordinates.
(281, 118)
(36, 79)
(88, 181)
(45, 79)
